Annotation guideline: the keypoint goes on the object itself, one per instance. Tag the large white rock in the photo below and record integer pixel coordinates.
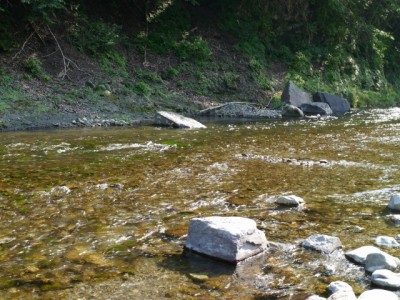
(386, 279)
(378, 261)
(290, 200)
(228, 238)
(386, 241)
(177, 120)
(378, 294)
(322, 243)
(394, 202)
(359, 255)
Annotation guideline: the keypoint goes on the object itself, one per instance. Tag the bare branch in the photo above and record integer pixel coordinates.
(23, 45)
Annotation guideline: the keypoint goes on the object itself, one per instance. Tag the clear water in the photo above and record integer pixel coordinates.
(103, 213)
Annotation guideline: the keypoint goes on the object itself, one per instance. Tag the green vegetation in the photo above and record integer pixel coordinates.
(155, 52)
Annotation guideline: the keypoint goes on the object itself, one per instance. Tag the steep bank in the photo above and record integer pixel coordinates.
(116, 65)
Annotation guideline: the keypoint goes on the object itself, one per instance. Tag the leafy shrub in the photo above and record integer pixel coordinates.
(197, 49)
(34, 67)
(172, 72)
(143, 88)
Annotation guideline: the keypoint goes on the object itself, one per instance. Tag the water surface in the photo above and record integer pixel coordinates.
(103, 213)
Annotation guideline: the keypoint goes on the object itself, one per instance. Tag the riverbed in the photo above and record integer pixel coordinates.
(103, 213)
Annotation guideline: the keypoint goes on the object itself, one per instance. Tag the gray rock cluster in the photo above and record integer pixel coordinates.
(299, 102)
(234, 239)
(240, 110)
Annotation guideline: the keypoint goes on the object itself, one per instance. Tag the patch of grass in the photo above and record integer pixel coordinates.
(34, 68)
(148, 76)
(143, 88)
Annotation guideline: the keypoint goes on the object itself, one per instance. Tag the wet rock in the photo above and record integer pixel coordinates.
(240, 109)
(336, 103)
(176, 120)
(359, 255)
(386, 279)
(322, 243)
(228, 238)
(292, 111)
(395, 219)
(386, 241)
(339, 286)
(377, 261)
(6, 240)
(394, 202)
(295, 96)
(316, 108)
(378, 294)
(60, 190)
(290, 200)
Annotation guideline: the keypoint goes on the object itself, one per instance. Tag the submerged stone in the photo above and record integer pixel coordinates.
(176, 120)
(386, 279)
(339, 286)
(378, 294)
(290, 200)
(227, 238)
(394, 202)
(322, 243)
(386, 241)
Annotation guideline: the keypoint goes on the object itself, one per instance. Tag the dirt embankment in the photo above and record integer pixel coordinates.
(47, 83)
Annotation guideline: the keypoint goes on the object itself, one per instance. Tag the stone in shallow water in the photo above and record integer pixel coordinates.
(339, 286)
(395, 219)
(377, 261)
(343, 295)
(394, 202)
(315, 297)
(386, 241)
(359, 255)
(228, 238)
(322, 243)
(290, 200)
(386, 279)
(378, 294)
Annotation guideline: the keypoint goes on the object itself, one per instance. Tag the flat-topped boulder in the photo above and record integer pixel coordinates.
(230, 239)
(338, 104)
(167, 118)
(359, 255)
(295, 96)
(322, 243)
(316, 108)
(386, 242)
(240, 110)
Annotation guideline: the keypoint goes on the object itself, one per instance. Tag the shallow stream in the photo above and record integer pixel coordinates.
(103, 213)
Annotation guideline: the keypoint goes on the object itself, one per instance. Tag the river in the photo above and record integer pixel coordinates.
(103, 213)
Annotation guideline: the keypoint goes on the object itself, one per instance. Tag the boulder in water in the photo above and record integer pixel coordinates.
(378, 261)
(295, 96)
(316, 108)
(394, 202)
(378, 294)
(336, 103)
(227, 238)
(386, 279)
(359, 255)
(322, 243)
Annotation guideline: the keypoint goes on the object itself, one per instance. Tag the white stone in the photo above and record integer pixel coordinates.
(344, 295)
(228, 238)
(378, 294)
(394, 202)
(377, 261)
(178, 120)
(359, 255)
(316, 297)
(291, 200)
(386, 279)
(339, 286)
(386, 241)
(322, 243)
(395, 219)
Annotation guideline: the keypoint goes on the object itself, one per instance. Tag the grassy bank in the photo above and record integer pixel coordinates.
(181, 57)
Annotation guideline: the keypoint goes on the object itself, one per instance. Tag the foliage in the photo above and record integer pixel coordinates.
(34, 67)
(143, 88)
